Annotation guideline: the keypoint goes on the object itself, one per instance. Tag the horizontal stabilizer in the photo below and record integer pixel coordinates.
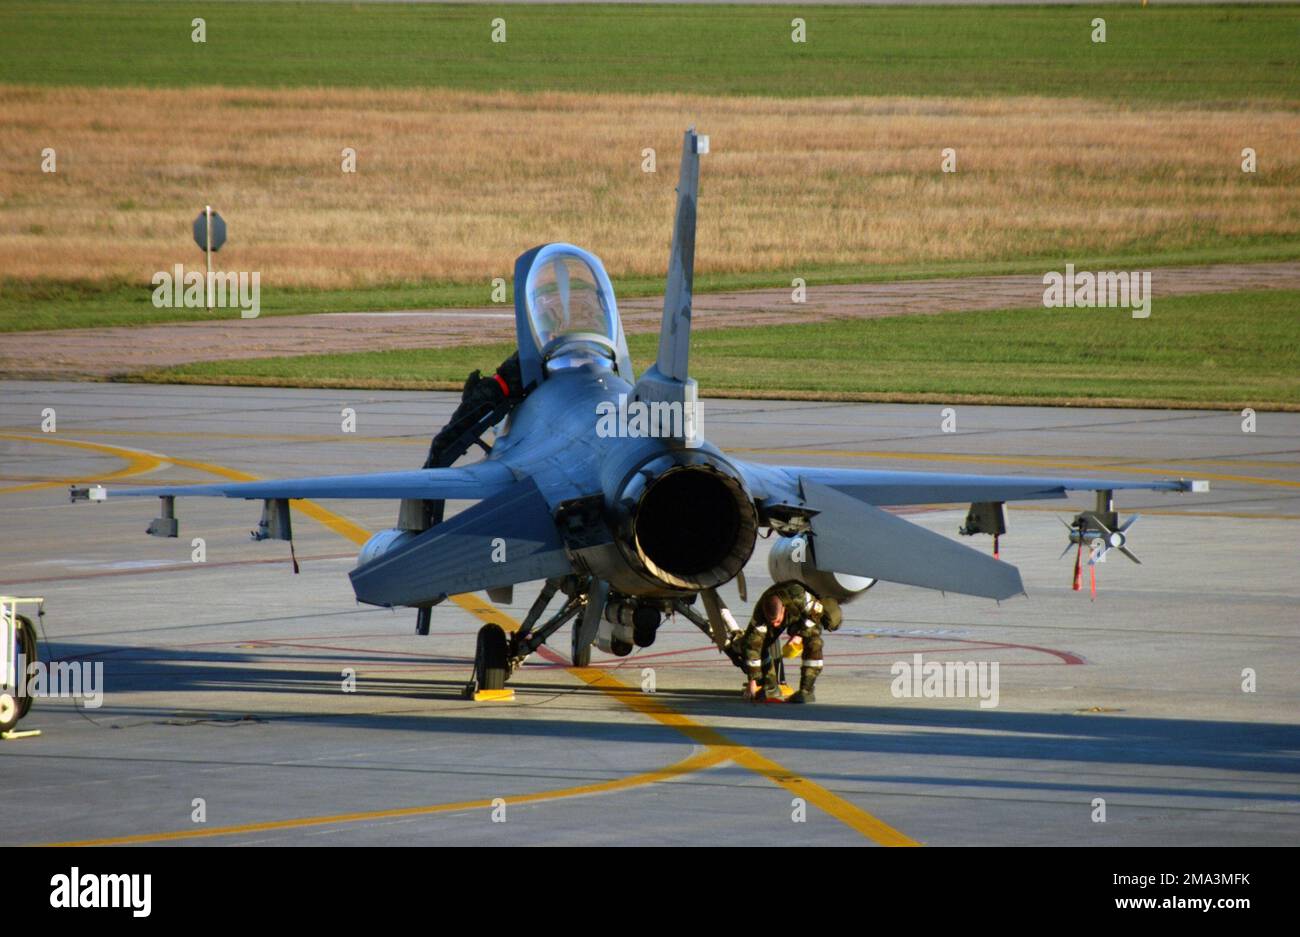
(505, 539)
(850, 536)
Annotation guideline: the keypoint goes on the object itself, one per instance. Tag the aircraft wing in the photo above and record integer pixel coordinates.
(472, 482)
(784, 484)
(851, 534)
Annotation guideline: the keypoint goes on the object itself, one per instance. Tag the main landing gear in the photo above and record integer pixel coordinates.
(491, 666)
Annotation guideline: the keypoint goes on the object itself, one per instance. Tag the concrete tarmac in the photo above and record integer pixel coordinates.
(1163, 712)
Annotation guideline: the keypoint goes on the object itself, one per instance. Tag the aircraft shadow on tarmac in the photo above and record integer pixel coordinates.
(1270, 750)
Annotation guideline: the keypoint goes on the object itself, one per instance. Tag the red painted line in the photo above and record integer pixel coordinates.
(263, 642)
(1073, 660)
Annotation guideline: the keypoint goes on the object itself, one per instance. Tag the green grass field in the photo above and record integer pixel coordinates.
(1225, 349)
(1238, 349)
(1204, 54)
(30, 306)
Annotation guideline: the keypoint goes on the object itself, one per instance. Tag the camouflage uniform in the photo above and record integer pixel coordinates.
(760, 644)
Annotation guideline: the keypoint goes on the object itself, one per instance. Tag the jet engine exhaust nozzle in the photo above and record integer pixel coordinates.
(694, 527)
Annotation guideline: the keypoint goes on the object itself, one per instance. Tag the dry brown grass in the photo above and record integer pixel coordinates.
(453, 185)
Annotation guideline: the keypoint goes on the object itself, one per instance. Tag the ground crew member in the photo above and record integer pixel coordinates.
(792, 609)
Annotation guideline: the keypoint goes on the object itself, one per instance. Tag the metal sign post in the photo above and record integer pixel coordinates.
(209, 234)
(207, 283)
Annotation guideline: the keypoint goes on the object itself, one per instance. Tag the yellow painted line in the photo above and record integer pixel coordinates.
(485, 611)
(718, 747)
(340, 525)
(1254, 463)
(359, 535)
(1019, 461)
(696, 762)
(650, 705)
(138, 462)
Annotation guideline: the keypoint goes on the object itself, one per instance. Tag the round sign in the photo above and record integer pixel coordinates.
(201, 231)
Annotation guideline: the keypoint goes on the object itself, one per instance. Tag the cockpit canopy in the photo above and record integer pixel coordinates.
(565, 298)
(566, 312)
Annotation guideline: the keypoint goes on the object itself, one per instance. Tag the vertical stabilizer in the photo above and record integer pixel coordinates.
(668, 379)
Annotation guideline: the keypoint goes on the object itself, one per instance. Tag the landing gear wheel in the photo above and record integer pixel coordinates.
(492, 661)
(26, 647)
(8, 712)
(581, 658)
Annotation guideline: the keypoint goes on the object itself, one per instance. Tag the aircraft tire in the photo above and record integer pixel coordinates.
(8, 711)
(491, 664)
(580, 658)
(28, 648)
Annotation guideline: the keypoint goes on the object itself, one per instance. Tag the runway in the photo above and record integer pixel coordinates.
(225, 719)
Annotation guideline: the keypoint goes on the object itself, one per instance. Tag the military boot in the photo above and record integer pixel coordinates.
(807, 680)
(770, 692)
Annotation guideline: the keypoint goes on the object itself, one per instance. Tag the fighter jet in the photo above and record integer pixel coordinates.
(601, 485)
